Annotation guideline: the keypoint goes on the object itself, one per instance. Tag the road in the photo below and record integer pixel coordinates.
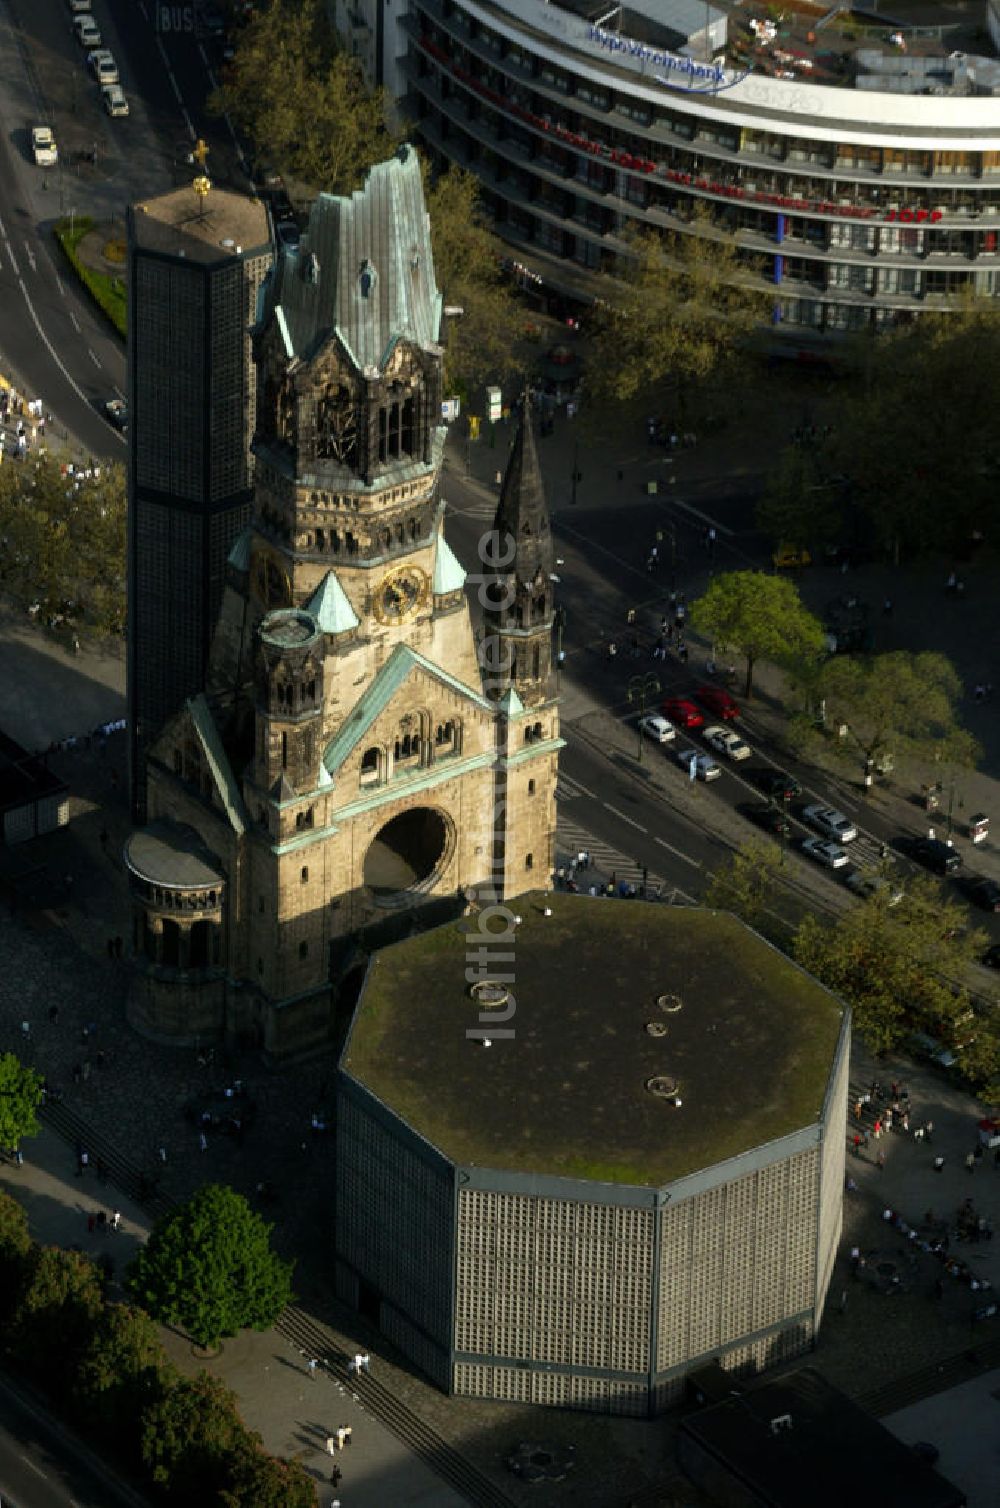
(58, 344)
(42, 1467)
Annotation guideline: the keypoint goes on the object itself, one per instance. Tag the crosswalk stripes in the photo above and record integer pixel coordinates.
(605, 861)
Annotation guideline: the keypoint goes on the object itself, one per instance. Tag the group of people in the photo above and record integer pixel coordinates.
(26, 420)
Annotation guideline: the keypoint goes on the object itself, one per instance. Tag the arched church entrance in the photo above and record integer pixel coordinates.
(407, 853)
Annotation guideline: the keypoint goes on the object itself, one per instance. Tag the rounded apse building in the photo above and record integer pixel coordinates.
(582, 1154)
(856, 165)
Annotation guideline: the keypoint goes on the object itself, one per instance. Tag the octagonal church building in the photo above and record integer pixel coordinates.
(361, 760)
(586, 1146)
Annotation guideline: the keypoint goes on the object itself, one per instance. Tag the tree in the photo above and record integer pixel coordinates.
(64, 547)
(759, 616)
(263, 1481)
(478, 344)
(302, 101)
(900, 967)
(209, 1268)
(20, 1097)
(59, 1302)
(191, 1436)
(122, 1372)
(799, 508)
(918, 488)
(745, 882)
(898, 703)
(15, 1247)
(681, 307)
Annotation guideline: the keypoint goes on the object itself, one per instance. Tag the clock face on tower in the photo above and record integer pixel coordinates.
(400, 593)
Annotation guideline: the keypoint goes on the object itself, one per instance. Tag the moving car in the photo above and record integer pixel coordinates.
(116, 410)
(776, 783)
(103, 66)
(725, 741)
(288, 234)
(771, 818)
(718, 701)
(937, 855)
(866, 883)
(43, 147)
(682, 712)
(705, 767)
(657, 728)
(825, 852)
(831, 822)
(984, 892)
(114, 99)
(87, 32)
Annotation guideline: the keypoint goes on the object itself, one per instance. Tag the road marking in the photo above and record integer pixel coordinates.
(30, 255)
(61, 286)
(630, 820)
(704, 517)
(575, 787)
(191, 130)
(29, 1462)
(678, 852)
(93, 358)
(13, 262)
(50, 348)
(75, 323)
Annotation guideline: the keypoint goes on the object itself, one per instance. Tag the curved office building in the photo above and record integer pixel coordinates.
(858, 169)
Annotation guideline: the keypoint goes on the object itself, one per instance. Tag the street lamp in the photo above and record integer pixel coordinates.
(559, 622)
(639, 688)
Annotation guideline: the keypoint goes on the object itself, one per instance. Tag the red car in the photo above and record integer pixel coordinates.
(718, 701)
(683, 713)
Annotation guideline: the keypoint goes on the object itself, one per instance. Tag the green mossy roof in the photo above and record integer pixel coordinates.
(751, 1048)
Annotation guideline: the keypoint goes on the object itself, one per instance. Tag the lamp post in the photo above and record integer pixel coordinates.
(639, 688)
(559, 623)
(576, 470)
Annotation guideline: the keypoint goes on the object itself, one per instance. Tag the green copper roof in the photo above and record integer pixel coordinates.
(218, 762)
(364, 271)
(510, 704)
(448, 573)
(394, 673)
(330, 607)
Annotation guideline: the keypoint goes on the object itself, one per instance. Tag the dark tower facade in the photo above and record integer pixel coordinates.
(521, 600)
(194, 273)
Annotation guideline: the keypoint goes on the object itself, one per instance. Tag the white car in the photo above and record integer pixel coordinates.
(114, 99)
(87, 32)
(825, 852)
(43, 147)
(831, 822)
(103, 66)
(705, 767)
(660, 729)
(866, 883)
(79, 7)
(725, 741)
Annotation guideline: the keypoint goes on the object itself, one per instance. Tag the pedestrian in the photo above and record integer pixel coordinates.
(162, 1154)
(84, 1163)
(938, 1164)
(311, 1367)
(970, 1163)
(857, 1145)
(116, 1220)
(18, 1157)
(53, 1015)
(880, 1161)
(928, 1130)
(366, 1362)
(335, 1477)
(877, 1128)
(331, 1445)
(630, 616)
(905, 1120)
(203, 1141)
(887, 608)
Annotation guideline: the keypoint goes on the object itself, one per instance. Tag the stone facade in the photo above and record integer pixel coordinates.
(349, 763)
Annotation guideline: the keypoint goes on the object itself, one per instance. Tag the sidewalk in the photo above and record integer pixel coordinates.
(294, 1412)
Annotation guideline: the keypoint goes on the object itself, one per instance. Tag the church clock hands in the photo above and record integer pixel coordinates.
(400, 593)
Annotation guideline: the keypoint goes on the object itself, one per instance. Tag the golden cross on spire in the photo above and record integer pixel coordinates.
(199, 153)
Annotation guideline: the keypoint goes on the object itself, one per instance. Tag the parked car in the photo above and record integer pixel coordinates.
(866, 883)
(937, 855)
(116, 411)
(705, 767)
(826, 819)
(983, 891)
(771, 818)
(718, 700)
(682, 713)
(87, 32)
(43, 147)
(776, 783)
(103, 66)
(791, 557)
(114, 99)
(725, 741)
(825, 852)
(79, 7)
(659, 729)
(923, 1046)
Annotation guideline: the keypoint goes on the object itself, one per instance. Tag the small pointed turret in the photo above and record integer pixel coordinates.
(520, 606)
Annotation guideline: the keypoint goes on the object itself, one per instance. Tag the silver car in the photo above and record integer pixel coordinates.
(825, 852)
(705, 767)
(831, 822)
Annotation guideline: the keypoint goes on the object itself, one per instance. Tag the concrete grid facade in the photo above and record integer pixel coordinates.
(193, 289)
(530, 1289)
